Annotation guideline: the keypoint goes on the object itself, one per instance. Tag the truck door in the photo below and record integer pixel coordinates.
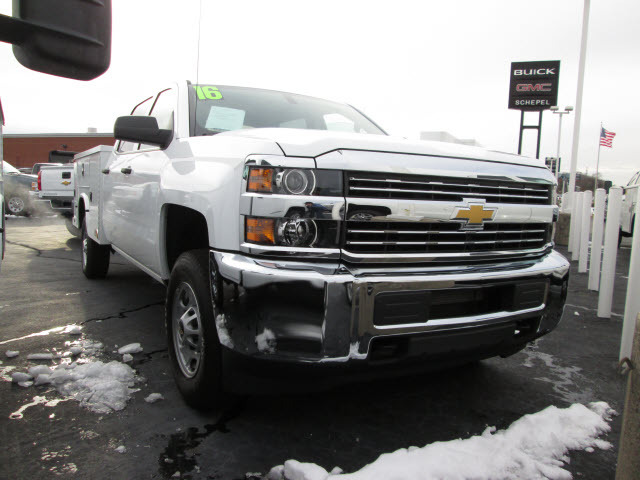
(138, 175)
(117, 201)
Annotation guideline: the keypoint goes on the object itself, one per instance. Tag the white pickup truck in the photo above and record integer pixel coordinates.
(295, 235)
(56, 185)
(628, 210)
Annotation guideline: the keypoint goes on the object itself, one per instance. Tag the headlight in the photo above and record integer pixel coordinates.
(298, 232)
(294, 181)
(292, 232)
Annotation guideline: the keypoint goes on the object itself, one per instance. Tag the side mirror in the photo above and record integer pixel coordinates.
(71, 38)
(141, 129)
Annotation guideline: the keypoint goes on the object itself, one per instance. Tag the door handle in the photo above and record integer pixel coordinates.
(104, 170)
(126, 170)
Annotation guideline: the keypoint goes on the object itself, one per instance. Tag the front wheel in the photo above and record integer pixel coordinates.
(95, 257)
(192, 337)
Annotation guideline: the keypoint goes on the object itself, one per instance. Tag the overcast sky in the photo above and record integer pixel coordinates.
(411, 66)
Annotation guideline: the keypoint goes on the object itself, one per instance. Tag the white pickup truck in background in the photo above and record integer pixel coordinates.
(294, 234)
(627, 212)
(56, 185)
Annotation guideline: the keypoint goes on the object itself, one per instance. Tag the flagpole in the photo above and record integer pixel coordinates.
(595, 184)
(578, 105)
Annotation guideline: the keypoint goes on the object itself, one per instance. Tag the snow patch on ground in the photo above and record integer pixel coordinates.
(535, 446)
(131, 348)
(37, 400)
(12, 353)
(76, 350)
(17, 377)
(40, 356)
(100, 387)
(5, 373)
(121, 449)
(127, 357)
(223, 331)
(39, 370)
(266, 341)
(73, 330)
(154, 397)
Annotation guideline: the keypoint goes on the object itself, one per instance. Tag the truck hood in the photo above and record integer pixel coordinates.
(314, 143)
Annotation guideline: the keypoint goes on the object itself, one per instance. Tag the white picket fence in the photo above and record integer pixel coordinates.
(587, 229)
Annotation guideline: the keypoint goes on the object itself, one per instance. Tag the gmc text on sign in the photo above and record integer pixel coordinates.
(534, 85)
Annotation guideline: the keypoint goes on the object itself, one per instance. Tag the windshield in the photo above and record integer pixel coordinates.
(216, 109)
(8, 168)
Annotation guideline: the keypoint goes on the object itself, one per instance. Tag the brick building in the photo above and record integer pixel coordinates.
(23, 150)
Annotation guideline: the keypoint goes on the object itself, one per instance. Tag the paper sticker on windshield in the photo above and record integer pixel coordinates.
(208, 92)
(223, 118)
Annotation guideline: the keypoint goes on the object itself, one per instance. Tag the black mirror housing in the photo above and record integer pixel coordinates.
(67, 38)
(141, 129)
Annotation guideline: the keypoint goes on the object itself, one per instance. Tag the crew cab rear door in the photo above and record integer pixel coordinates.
(135, 177)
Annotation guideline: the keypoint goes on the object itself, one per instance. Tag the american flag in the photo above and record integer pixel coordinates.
(606, 137)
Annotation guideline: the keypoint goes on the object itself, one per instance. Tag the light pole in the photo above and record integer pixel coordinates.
(566, 110)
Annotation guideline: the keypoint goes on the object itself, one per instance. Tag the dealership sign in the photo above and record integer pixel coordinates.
(534, 85)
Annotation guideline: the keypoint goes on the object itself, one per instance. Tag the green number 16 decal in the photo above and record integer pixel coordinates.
(208, 93)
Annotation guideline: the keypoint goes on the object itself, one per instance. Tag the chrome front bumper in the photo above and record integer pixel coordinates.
(326, 312)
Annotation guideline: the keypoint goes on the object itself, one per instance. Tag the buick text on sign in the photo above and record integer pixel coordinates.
(534, 85)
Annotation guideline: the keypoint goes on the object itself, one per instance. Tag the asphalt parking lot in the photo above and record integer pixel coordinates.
(42, 287)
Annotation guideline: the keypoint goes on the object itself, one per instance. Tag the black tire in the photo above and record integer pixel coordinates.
(196, 357)
(95, 257)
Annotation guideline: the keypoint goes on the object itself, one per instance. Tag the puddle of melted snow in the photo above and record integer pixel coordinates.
(176, 458)
(563, 379)
(37, 400)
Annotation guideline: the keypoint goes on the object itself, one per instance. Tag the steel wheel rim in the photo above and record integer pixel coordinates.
(16, 205)
(187, 330)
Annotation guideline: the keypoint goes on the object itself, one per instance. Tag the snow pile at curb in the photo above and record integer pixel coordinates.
(534, 446)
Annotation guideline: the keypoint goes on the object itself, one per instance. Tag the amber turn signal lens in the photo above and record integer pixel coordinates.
(260, 230)
(260, 180)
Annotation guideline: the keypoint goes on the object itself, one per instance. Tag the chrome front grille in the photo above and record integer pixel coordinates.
(447, 189)
(420, 237)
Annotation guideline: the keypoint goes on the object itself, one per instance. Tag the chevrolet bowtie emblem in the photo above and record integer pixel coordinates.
(474, 216)
(66, 182)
